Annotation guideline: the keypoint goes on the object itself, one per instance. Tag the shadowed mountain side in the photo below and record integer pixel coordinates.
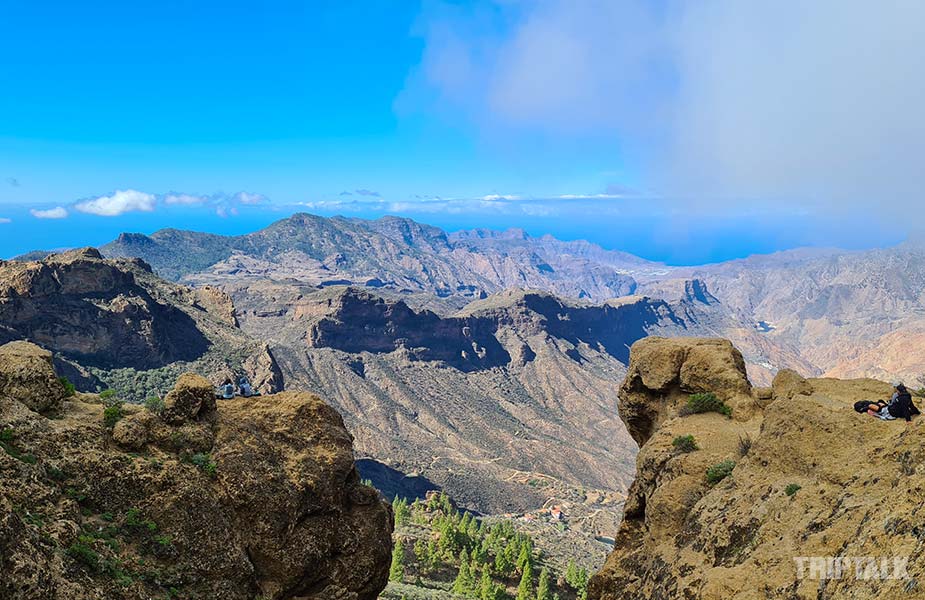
(94, 311)
(544, 404)
(392, 482)
(114, 323)
(356, 321)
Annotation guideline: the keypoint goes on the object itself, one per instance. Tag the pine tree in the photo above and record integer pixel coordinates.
(401, 510)
(465, 579)
(543, 591)
(433, 555)
(503, 564)
(582, 586)
(525, 557)
(486, 586)
(397, 570)
(525, 589)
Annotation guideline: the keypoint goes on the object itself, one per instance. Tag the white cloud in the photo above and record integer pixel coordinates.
(249, 198)
(185, 199)
(120, 202)
(720, 98)
(58, 212)
(493, 197)
(5, 220)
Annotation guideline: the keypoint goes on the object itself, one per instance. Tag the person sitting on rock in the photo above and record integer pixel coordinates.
(227, 389)
(899, 406)
(244, 386)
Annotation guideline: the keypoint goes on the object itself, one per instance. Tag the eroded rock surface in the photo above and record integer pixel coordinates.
(252, 498)
(812, 478)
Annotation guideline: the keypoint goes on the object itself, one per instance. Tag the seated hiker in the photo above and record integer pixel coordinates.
(227, 389)
(900, 405)
(244, 386)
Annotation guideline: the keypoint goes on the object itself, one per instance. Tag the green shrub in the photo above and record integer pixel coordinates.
(55, 473)
(112, 415)
(685, 443)
(154, 404)
(204, 462)
(75, 494)
(108, 395)
(704, 403)
(720, 471)
(84, 554)
(69, 389)
(136, 522)
(6, 442)
(792, 489)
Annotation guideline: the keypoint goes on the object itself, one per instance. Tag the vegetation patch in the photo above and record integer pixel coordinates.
(684, 444)
(745, 445)
(112, 415)
(720, 471)
(204, 462)
(792, 489)
(69, 388)
(441, 553)
(154, 404)
(704, 403)
(82, 552)
(7, 436)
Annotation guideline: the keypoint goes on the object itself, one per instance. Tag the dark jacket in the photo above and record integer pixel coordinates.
(901, 405)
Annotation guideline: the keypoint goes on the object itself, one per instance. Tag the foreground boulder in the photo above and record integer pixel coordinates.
(26, 373)
(257, 498)
(820, 502)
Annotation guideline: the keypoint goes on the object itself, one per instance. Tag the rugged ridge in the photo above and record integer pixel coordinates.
(390, 253)
(516, 385)
(113, 322)
(815, 480)
(242, 499)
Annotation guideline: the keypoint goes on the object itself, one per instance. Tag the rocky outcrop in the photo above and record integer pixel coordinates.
(94, 311)
(191, 396)
(114, 323)
(663, 372)
(809, 478)
(27, 375)
(252, 498)
(353, 320)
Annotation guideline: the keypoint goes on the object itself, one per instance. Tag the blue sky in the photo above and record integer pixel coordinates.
(584, 119)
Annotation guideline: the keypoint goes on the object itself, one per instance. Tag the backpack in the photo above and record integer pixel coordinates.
(861, 406)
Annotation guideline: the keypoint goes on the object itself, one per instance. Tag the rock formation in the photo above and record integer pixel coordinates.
(249, 498)
(811, 478)
(114, 323)
(94, 311)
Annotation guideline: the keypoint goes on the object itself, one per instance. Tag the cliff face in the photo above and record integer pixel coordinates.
(115, 323)
(814, 479)
(240, 499)
(95, 311)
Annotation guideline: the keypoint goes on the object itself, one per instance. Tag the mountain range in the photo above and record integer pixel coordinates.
(479, 362)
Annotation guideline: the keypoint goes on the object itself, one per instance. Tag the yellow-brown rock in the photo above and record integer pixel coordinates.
(855, 491)
(258, 498)
(26, 373)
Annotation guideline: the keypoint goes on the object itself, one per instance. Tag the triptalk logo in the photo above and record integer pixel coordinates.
(856, 567)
